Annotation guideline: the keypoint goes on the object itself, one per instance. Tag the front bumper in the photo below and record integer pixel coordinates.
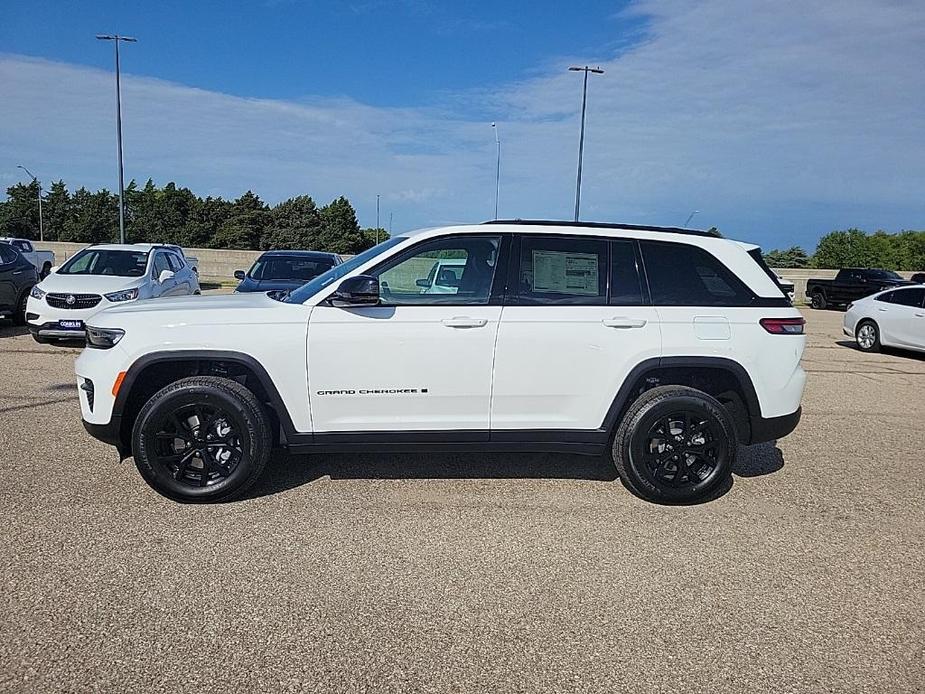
(110, 433)
(43, 320)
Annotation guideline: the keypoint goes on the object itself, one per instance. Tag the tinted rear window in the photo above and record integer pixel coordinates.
(684, 275)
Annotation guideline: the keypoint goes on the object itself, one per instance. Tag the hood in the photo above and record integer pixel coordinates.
(88, 284)
(247, 310)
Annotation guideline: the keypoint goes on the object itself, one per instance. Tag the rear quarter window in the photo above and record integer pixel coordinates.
(685, 275)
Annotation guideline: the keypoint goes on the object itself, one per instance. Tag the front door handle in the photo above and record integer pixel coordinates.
(624, 323)
(464, 322)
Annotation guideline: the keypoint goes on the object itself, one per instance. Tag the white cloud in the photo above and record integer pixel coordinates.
(779, 120)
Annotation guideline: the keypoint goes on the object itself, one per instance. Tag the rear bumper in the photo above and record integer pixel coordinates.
(772, 428)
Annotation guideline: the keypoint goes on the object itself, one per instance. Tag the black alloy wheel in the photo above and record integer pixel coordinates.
(201, 439)
(675, 444)
(197, 444)
(682, 450)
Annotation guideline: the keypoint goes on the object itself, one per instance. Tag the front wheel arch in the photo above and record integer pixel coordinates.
(154, 371)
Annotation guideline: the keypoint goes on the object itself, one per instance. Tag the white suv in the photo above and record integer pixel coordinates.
(663, 347)
(100, 276)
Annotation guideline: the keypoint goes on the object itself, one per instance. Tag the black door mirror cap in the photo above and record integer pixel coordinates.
(239, 274)
(362, 290)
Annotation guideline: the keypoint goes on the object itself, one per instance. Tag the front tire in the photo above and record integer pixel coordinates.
(201, 439)
(19, 318)
(818, 301)
(867, 336)
(675, 444)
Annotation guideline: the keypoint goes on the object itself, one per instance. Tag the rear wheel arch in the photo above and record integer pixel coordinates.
(724, 379)
(152, 372)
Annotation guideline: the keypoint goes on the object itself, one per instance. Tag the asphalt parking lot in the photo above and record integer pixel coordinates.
(502, 573)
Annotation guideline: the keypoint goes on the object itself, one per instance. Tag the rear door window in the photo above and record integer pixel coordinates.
(908, 297)
(560, 270)
(684, 275)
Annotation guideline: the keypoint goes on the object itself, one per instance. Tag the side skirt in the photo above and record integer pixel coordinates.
(592, 442)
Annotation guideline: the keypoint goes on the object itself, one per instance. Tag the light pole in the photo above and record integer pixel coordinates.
(691, 216)
(494, 127)
(35, 180)
(117, 39)
(377, 218)
(390, 225)
(581, 139)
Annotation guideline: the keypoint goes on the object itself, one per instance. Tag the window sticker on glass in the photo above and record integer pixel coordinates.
(559, 272)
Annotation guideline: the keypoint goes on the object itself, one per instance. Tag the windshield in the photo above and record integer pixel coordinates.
(106, 262)
(294, 268)
(883, 275)
(306, 291)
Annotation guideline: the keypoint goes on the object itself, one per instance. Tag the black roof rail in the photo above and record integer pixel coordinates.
(600, 225)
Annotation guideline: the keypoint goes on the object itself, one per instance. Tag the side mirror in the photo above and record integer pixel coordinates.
(239, 275)
(165, 275)
(422, 283)
(54, 269)
(361, 290)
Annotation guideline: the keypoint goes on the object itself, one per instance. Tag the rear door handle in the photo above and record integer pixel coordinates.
(624, 323)
(882, 310)
(464, 322)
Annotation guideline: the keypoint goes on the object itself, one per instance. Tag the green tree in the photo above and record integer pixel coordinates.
(245, 226)
(20, 214)
(295, 223)
(842, 249)
(340, 229)
(793, 257)
(94, 217)
(56, 209)
(372, 236)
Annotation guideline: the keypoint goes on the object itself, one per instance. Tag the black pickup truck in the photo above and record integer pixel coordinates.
(850, 284)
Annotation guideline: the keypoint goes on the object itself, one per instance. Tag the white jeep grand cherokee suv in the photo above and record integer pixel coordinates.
(664, 347)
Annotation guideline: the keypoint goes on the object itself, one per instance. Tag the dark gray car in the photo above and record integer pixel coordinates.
(17, 277)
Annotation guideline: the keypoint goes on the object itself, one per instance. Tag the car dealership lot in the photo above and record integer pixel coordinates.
(471, 573)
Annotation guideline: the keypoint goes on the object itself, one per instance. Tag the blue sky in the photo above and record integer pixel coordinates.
(778, 120)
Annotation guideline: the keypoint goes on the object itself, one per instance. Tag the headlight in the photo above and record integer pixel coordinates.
(124, 295)
(36, 293)
(103, 338)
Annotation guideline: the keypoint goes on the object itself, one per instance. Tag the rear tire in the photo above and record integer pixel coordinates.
(675, 444)
(818, 301)
(202, 439)
(867, 336)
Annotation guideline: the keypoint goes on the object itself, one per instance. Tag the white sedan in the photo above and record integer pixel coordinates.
(101, 276)
(891, 318)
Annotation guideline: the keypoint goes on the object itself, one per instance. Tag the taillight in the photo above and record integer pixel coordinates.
(783, 326)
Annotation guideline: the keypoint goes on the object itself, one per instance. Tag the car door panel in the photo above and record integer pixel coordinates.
(405, 368)
(901, 321)
(573, 326)
(418, 361)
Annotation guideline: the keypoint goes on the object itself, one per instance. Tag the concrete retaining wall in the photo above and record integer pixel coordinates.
(219, 265)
